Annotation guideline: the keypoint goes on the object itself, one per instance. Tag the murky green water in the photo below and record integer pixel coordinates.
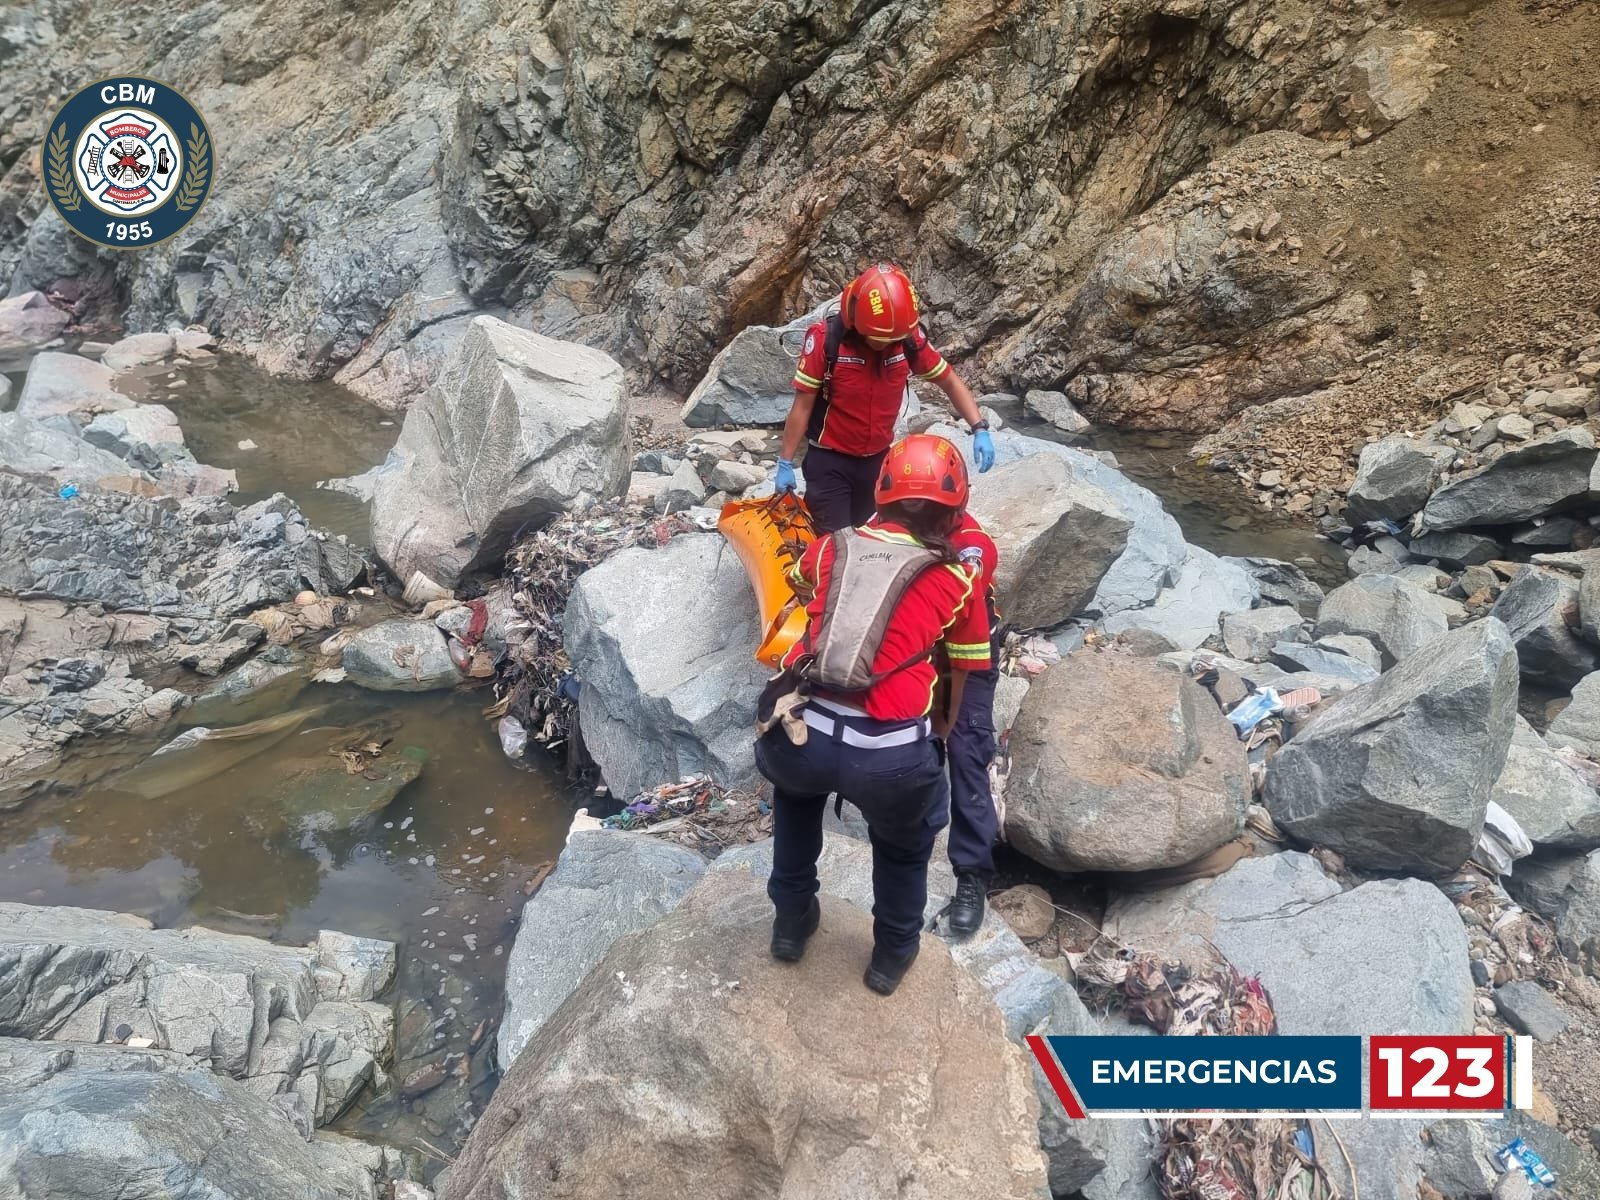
(234, 835)
(303, 433)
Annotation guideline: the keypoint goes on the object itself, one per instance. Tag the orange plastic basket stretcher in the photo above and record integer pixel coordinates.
(770, 535)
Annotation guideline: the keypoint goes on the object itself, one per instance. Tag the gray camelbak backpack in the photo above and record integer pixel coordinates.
(866, 581)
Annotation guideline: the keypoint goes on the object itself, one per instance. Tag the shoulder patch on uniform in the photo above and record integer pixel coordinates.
(811, 342)
(971, 554)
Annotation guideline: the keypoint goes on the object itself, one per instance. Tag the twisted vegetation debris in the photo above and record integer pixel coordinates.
(535, 685)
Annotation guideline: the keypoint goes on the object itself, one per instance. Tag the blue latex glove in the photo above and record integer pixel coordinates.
(983, 450)
(784, 480)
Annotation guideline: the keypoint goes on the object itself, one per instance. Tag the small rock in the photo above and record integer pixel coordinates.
(423, 1081)
(736, 477)
(1456, 548)
(1530, 1008)
(1027, 908)
(1515, 428)
(1252, 635)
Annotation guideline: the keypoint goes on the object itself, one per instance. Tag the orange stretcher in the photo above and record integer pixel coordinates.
(770, 535)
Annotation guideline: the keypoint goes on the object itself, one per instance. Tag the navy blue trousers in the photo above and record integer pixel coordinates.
(902, 792)
(971, 748)
(840, 488)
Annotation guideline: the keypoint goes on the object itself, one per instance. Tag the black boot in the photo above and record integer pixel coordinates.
(886, 970)
(966, 910)
(790, 932)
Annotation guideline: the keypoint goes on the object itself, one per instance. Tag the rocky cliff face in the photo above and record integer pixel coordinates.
(651, 176)
(1066, 181)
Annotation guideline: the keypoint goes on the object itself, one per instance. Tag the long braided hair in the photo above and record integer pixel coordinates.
(930, 523)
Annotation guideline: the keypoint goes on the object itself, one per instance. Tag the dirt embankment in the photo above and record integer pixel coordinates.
(1475, 232)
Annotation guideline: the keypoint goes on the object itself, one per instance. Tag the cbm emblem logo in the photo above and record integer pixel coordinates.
(128, 162)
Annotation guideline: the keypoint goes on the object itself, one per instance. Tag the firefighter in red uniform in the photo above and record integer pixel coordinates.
(876, 747)
(970, 745)
(848, 390)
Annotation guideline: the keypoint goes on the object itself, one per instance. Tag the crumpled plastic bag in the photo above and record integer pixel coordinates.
(1502, 841)
(1254, 709)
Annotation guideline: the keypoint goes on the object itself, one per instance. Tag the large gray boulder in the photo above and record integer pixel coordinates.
(148, 434)
(1122, 764)
(1388, 957)
(1031, 998)
(284, 1018)
(664, 644)
(1396, 776)
(28, 320)
(1399, 617)
(1589, 607)
(1057, 409)
(1540, 608)
(606, 883)
(671, 1069)
(1188, 611)
(1394, 478)
(1566, 890)
(1538, 477)
(400, 656)
(65, 385)
(1577, 726)
(1057, 536)
(1455, 548)
(1156, 550)
(83, 1120)
(751, 380)
(518, 428)
(29, 447)
(1554, 805)
(1279, 582)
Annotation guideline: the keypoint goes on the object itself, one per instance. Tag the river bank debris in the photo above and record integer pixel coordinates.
(535, 686)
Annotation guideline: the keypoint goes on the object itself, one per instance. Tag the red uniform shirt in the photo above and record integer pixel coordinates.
(942, 607)
(975, 547)
(857, 415)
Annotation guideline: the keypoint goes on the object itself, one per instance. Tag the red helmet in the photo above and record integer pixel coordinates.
(880, 303)
(923, 467)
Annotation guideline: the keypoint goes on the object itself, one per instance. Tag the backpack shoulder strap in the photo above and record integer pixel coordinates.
(830, 349)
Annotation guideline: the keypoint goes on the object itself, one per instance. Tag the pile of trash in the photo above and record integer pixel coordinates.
(698, 814)
(1509, 941)
(307, 613)
(1217, 1158)
(536, 694)
(1171, 997)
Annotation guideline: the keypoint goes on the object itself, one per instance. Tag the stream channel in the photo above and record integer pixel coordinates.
(443, 869)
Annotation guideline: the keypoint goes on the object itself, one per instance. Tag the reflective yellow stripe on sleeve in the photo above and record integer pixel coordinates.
(805, 380)
(936, 371)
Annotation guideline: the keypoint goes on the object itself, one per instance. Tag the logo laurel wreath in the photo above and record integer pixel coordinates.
(198, 170)
(58, 167)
